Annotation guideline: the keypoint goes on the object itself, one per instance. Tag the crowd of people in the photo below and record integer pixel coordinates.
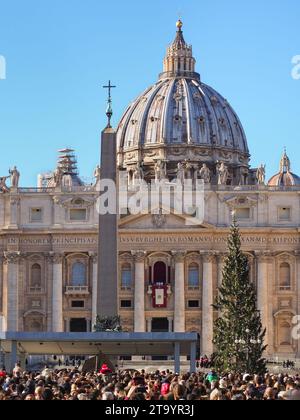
(71, 384)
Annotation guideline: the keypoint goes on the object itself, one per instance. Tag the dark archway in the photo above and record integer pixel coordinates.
(160, 273)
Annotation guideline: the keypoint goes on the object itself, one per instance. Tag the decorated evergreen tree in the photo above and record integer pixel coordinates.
(238, 332)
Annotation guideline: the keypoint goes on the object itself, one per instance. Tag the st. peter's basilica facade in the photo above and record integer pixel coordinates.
(169, 270)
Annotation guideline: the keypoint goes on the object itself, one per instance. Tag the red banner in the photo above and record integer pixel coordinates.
(159, 296)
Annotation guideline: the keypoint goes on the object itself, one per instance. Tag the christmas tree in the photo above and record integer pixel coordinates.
(238, 332)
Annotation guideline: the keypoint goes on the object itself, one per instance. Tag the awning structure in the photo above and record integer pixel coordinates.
(109, 343)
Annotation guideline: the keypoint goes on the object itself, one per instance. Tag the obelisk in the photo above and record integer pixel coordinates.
(107, 291)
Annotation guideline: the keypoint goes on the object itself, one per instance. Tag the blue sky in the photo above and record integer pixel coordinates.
(60, 53)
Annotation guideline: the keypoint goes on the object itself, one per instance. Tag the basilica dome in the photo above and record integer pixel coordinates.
(181, 119)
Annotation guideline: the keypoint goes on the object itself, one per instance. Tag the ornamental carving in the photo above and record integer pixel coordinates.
(239, 201)
(139, 256)
(75, 202)
(55, 258)
(179, 256)
(12, 257)
(159, 220)
(178, 152)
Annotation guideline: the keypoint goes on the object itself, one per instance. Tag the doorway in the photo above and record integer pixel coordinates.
(78, 325)
(160, 325)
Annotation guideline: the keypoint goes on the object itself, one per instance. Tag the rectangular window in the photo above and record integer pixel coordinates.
(284, 214)
(78, 215)
(126, 304)
(77, 304)
(194, 304)
(243, 213)
(36, 215)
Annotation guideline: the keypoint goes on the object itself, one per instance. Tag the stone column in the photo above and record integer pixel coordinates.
(57, 294)
(12, 301)
(207, 309)
(179, 306)
(149, 325)
(139, 292)
(262, 287)
(171, 320)
(94, 258)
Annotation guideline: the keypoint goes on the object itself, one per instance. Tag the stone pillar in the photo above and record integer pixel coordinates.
(171, 320)
(12, 301)
(207, 309)
(108, 278)
(179, 306)
(149, 325)
(177, 364)
(139, 292)
(57, 294)
(94, 288)
(262, 288)
(193, 367)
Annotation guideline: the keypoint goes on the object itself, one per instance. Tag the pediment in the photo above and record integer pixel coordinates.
(161, 221)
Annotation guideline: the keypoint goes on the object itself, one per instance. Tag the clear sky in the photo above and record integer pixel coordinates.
(59, 53)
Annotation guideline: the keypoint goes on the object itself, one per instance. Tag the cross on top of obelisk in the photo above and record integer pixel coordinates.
(109, 111)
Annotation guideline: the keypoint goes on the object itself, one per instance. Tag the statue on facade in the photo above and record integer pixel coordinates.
(14, 177)
(138, 174)
(261, 175)
(180, 173)
(160, 171)
(223, 174)
(97, 175)
(57, 176)
(188, 169)
(3, 187)
(205, 174)
(244, 173)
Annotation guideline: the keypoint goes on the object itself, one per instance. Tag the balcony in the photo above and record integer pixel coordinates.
(77, 290)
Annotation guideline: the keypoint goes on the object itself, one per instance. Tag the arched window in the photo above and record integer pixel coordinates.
(78, 274)
(193, 276)
(126, 276)
(285, 277)
(36, 276)
(285, 334)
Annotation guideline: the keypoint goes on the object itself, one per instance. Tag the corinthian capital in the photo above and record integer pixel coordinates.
(179, 256)
(12, 257)
(94, 257)
(139, 256)
(55, 258)
(209, 257)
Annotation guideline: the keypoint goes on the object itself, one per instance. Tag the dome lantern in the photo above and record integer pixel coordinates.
(179, 60)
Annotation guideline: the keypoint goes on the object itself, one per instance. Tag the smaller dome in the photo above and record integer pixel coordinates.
(285, 178)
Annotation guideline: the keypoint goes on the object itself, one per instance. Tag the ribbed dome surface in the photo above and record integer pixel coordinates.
(178, 111)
